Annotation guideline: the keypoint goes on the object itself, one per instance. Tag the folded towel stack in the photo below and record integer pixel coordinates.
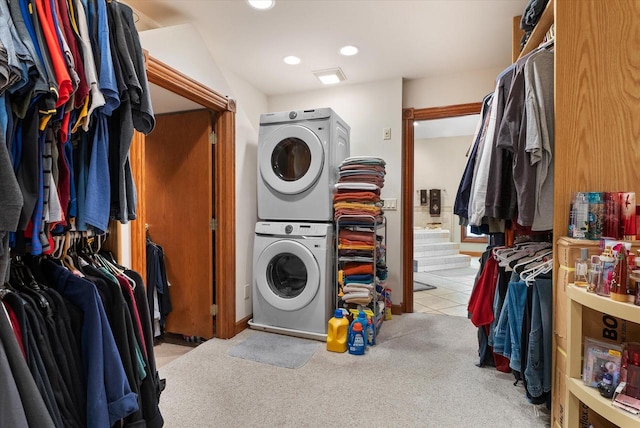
(358, 208)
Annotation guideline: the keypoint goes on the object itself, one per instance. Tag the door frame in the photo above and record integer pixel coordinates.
(224, 197)
(409, 116)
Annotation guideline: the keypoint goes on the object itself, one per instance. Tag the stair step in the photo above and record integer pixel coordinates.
(441, 262)
(434, 247)
(421, 236)
(458, 265)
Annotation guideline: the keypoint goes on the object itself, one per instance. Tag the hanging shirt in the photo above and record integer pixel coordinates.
(48, 25)
(499, 201)
(96, 99)
(538, 73)
(109, 397)
(512, 137)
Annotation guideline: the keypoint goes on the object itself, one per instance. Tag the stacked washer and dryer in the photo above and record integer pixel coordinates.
(299, 153)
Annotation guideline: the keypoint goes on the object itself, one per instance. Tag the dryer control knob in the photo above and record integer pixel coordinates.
(293, 115)
(288, 229)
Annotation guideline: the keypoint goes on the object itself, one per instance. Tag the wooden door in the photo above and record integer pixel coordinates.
(179, 208)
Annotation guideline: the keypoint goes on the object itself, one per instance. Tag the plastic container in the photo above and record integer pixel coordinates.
(337, 332)
(360, 319)
(608, 262)
(357, 339)
(371, 332)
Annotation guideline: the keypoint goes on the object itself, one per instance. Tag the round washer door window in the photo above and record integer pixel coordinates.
(288, 276)
(291, 159)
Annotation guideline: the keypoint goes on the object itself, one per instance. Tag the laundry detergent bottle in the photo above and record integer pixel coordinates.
(337, 332)
(361, 322)
(357, 339)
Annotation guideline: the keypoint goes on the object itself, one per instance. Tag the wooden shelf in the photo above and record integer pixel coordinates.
(622, 310)
(592, 398)
(578, 298)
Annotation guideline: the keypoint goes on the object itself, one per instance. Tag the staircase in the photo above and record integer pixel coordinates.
(432, 250)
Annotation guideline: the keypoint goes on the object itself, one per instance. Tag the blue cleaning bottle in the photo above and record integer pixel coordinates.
(357, 340)
(362, 320)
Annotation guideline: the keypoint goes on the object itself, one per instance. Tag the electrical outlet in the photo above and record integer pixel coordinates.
(386, 133)
(247, 291)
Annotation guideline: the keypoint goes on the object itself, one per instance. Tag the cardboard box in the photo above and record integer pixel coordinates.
(567, 251)
(587, 417)
(559, 389)
(597, 421)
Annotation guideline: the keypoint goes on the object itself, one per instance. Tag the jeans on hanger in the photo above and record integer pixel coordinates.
(538, 370)
(500, 335)
(515, 302)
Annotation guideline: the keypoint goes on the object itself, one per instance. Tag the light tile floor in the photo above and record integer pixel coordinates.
(452, 293)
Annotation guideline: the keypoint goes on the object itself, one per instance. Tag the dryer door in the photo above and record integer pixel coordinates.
(291, 159)
(287, 275)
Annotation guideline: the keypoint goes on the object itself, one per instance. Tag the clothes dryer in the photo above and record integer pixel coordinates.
(299, 153)
(293, 278)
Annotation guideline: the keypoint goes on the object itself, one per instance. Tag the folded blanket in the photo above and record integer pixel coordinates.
(357, 186)
(357, 300)
(356, 235)
(356, 197)
(370, 160)
(367, 277)
(363, 167)
(353, 287)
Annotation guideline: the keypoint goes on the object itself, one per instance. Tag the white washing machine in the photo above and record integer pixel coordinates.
(299, 153)
(293, 278)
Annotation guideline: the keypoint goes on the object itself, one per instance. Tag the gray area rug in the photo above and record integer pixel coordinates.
(422, 371)
(276, 349)
(418, 286)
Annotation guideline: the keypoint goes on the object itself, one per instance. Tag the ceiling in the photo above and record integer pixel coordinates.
(397, 38)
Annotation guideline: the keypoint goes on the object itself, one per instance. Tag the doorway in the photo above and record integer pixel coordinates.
(179, 204)
(222, 189)
(410, 117)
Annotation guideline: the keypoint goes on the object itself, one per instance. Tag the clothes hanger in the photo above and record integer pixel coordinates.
(529, 274)
(510, 254)
(542, 256)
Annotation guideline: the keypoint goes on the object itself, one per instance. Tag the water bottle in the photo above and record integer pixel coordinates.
(337, 332)
(357, 340)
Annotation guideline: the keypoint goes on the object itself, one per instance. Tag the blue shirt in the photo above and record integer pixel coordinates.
(109, 396)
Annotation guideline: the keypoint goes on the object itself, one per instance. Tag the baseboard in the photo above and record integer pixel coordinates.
(243, 324)
(396, 309)
(471, 253)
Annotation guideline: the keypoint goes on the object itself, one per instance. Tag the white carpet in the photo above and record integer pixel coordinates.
(275, 349)
(421, 373)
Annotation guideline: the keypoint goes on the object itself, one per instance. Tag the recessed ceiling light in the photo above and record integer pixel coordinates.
(261, 4)
(348, 50)
(330, 76)
(291, 60)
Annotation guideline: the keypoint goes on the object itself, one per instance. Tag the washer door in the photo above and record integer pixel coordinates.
(292, 159)
(287, 275)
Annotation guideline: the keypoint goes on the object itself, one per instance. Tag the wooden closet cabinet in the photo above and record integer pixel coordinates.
(597, 126)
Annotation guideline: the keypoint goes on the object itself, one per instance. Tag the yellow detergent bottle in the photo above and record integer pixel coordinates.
(337, 332)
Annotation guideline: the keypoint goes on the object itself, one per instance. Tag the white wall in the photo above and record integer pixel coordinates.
(451, 89)
(182, 48)
(367, 108)
(429, 155)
